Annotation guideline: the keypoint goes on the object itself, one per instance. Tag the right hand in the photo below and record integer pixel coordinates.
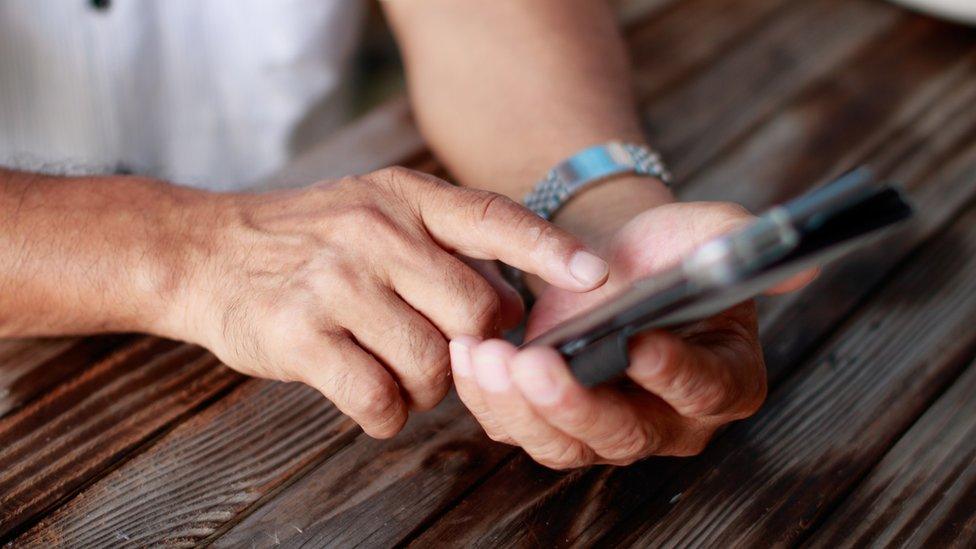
(353, 287)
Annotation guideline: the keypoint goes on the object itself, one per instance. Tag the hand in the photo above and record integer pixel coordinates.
(679, 389)
(353, 286)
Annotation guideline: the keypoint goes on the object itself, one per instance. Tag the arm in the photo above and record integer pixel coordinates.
(91, 254)
(350, 286)
(505, 89)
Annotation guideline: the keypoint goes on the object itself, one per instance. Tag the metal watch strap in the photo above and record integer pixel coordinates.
(590, 166)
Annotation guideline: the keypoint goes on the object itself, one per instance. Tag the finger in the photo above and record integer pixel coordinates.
(468, 389)
(512, 306)
(600, 418)
(795, 282)
(724, 376)
(546, 444)
(449, 293)
(407, 343)
(486, 225)
(359, 386)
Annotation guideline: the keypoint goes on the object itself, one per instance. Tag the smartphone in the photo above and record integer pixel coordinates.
(811, 230)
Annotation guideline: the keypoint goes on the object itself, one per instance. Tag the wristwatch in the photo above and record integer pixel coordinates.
(591, 166)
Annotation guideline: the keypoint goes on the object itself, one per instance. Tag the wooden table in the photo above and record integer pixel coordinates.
(869, 433)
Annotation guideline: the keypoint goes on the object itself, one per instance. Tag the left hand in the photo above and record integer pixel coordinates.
(681, 385)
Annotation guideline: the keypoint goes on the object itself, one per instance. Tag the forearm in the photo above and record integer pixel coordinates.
(87, 255)
(504, 89)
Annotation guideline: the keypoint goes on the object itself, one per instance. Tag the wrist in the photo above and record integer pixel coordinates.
(597, 212)
(173, 279)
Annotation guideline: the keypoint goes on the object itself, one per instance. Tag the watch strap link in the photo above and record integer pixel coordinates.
(590, 166)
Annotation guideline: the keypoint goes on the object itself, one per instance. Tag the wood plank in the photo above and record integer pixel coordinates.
(774, 476)
(29, 367)
(604, 496)
(208, 470)
(359, 492)
(52, 447)
(716, 26)
(847, 117)
(193, 489)
(695, 122)
(923, 493)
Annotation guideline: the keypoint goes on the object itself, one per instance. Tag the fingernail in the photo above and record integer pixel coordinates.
(587, 268)
(491, 372)
(460, 349)
(537, 384)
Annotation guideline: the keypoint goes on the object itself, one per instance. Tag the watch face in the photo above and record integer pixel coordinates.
(959, 10)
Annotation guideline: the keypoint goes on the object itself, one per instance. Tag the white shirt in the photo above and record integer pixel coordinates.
(200, 92)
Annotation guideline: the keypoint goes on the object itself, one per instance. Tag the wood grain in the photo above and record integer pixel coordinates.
(368, 493)
(793, 325)
(29, 367)
(205, 472)
(55, 445)
(923, 493)
(704, 29)
(773, 477)
(693, 123)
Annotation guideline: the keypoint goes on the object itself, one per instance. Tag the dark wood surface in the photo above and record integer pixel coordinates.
(867, 437)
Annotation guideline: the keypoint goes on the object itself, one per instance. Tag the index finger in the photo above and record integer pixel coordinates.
(486, 225)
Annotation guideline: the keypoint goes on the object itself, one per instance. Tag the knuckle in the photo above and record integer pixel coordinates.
(482, 308)
(429, 375)
(361, 216)
(396, 175)
(579, 419)
(494, 206)
(345, 277)
(629, 446)
(676, 374)
(709, 399)
(405, 181)
(375, 220)
(693, 391)
(377, 402)
(569, 456)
